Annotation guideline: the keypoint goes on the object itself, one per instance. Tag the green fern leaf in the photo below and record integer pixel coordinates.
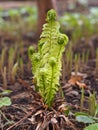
(46, 63)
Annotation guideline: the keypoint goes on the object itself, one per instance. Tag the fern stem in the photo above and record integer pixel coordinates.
(43, 80)
(51, 85)
(50, 37)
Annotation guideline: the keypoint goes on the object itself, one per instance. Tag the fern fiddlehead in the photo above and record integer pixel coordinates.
(46, 63)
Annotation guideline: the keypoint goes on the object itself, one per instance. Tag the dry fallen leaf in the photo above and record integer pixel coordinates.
(54, 120)
(77, 79)
(74, 79)
(81, 85)
(62, 107)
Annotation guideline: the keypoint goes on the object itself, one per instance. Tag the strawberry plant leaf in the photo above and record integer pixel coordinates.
(5, 101)
(84, 119)
(92, 127)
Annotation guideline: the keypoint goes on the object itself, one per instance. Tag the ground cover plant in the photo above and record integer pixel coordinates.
(23, 92)
(13, 21)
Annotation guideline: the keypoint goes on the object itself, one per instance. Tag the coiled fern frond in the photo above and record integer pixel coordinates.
(46, 63)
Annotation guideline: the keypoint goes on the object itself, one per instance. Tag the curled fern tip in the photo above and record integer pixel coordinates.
(51, 15)
(42, 71)
(52, 61)
(62, 39)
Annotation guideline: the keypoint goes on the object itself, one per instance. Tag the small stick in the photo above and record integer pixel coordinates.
(23, 118)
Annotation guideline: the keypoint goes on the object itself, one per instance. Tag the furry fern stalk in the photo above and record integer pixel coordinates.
(46, 62)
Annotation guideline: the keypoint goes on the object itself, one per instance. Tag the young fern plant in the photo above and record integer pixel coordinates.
(46, 62)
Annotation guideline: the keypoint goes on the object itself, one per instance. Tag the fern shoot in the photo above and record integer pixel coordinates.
(46, 62)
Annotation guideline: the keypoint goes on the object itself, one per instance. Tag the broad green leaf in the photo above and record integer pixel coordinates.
(6, 92)
(95, 118)
(5, 101)
(92, 127)
(84, 119)
(81, 114)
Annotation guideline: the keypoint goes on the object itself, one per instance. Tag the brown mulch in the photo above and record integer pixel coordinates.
(28, 112)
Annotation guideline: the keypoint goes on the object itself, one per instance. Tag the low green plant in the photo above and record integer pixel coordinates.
(76, 63)
(93, 105)
(92, 115)
(14, 14)
(4, 76)
(11, 58)
(14, 71)
(30, 20)
(79, 27)
(4, 102)
(92, 127)
(21, 66)
(82, 99)
(46, 63)
(2, 61)
(84, 117)
(85, 57)
(5, 92)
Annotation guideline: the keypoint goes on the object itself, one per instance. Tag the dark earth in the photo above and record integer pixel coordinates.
(28, 112)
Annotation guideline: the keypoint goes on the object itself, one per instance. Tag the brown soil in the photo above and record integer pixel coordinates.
(28, 112)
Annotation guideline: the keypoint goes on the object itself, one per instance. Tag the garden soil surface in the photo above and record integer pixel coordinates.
(28, 112)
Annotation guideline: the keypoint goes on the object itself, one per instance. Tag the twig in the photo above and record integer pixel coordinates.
(23, 118)
(4, 116)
